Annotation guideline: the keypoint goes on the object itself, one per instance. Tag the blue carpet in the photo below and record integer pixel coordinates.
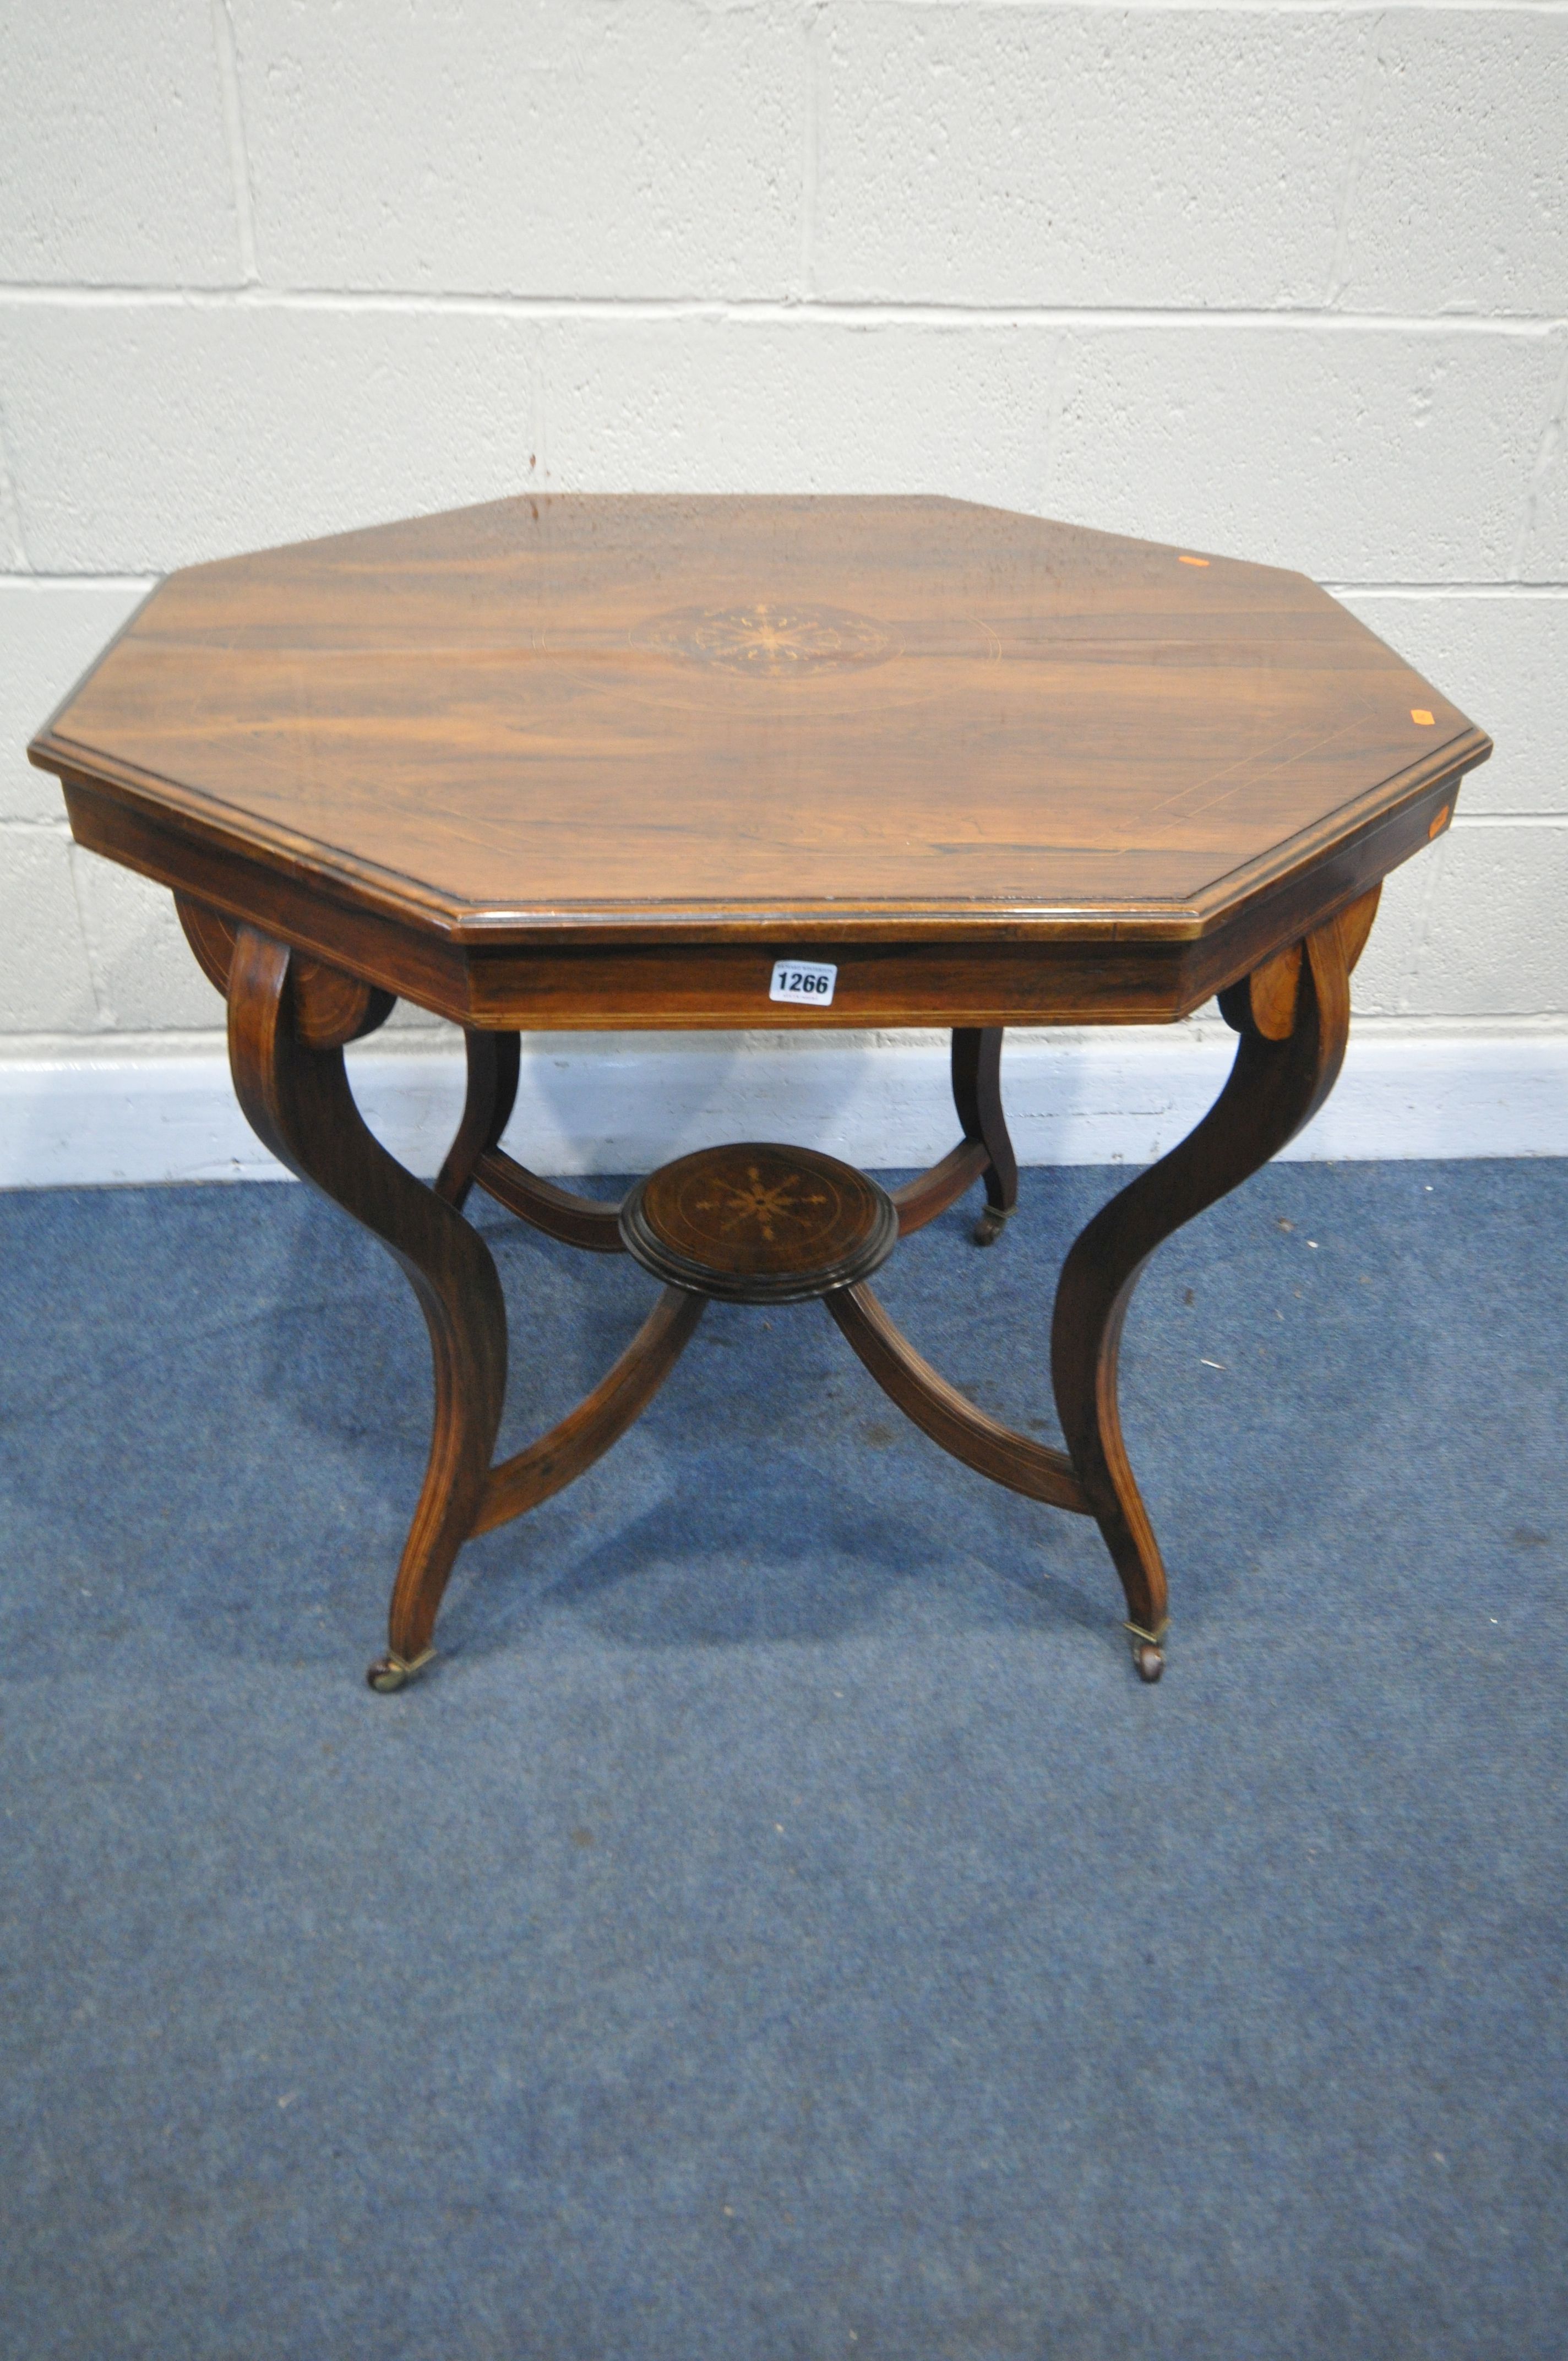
(781, 1926)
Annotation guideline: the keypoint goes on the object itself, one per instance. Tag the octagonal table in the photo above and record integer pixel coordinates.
(604, 762)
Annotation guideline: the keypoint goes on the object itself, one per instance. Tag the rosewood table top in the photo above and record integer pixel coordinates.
(563, 762)
(462, 746)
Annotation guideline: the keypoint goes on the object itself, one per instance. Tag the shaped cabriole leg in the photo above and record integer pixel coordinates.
(977, 1095)
(296, 1095)
(1293, 1017)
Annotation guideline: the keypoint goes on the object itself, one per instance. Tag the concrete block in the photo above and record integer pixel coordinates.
(148, 981)
(1461, 199)
(1381, 984)
(758, 406)
(114, 164)
(50, 633)
(143, 437)
(1353, 454)
(1504, 660)
(1541, 555)
(1080, 156)
(1494, 941)
(651, 148)
(45, 983)
(148, 976)
(407, 1018)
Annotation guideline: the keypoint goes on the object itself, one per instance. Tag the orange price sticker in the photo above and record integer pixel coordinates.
(1420, 714)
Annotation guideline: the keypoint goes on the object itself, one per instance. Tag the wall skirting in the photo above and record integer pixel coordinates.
(590, 1104)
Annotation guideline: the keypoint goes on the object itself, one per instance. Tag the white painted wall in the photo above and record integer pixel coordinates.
(1288, 281)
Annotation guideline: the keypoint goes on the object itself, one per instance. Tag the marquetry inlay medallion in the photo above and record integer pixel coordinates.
(760, 1223)
(771, 643)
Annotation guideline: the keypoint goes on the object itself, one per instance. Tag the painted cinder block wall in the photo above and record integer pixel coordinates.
(1286, 282)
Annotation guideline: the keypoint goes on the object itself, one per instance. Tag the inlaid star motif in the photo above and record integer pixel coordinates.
(759, 1203)
(773, 641)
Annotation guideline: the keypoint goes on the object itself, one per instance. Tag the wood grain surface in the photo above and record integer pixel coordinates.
(595, 761)
(586, 1434)
(298, 1104)
(960, 1426)
(1276, 1084)
(610, 719)
(755, 1223)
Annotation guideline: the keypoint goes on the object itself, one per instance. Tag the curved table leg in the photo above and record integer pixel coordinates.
(929, 1193)
(298, 1100)
(958, 1425)
(556, 1459)
(559, 1213)
(494, 1062)
(1285, 1067)
(477, 1155)
(977, 1095)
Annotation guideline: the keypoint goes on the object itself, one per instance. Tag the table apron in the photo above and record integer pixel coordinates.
(581, 984)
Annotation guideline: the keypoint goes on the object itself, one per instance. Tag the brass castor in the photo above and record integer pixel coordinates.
(391, 1672)
(1149, 1660)
(993, 1220)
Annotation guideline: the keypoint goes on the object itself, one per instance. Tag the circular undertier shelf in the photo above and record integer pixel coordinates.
(759, 1223)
